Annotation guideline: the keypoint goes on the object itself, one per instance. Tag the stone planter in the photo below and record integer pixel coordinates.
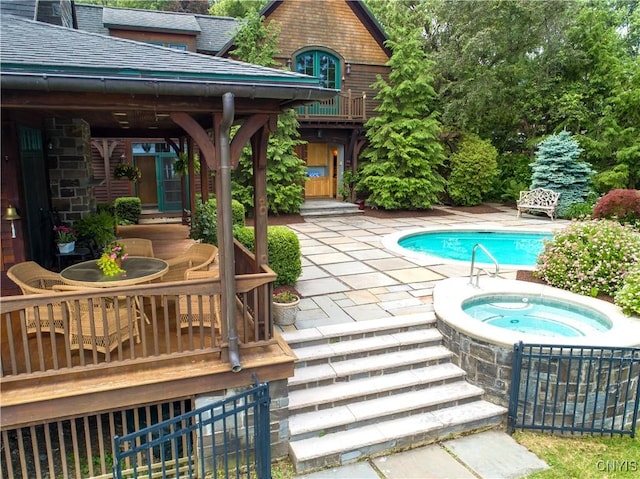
(284, 314)
(67, 247)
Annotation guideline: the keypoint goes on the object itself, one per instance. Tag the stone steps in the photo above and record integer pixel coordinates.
(329, 207)
(366, 387)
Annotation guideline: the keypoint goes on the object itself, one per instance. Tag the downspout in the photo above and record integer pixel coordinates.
(225, 215)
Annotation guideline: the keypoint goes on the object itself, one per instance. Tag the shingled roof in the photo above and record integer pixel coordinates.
(211, 33)
(40, 56)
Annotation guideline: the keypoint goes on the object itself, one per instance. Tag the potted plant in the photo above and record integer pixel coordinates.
(110, 263)
(65, 238)
(285, 307)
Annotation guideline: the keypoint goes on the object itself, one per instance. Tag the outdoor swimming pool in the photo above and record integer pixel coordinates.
(507, 247)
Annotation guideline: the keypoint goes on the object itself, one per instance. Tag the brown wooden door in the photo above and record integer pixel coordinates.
(320, 171)
(148, 184)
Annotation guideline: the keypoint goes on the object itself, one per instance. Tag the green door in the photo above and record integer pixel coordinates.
(36, 214)
(169, 184)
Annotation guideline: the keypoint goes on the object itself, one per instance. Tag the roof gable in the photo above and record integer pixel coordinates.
(360, 10)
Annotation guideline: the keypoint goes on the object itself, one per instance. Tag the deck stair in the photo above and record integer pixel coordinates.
(364, 388)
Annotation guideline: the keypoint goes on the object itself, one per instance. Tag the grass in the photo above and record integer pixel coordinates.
(583, 457)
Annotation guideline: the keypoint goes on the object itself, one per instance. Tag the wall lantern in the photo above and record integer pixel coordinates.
(11, 215)
(289, 63)
(348, 65)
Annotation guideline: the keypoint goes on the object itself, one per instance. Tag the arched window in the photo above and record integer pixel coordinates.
(320, 64)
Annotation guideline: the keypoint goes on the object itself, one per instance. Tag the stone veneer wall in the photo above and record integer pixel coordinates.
(487, 365)
(68, 152)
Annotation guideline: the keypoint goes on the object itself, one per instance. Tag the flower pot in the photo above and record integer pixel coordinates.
(285, 314)
(67, 247)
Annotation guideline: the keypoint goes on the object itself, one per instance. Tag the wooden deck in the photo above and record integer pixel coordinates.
(44, 378)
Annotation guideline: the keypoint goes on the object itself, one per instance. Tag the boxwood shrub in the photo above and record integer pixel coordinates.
(283, 248)
(128, 210)
(204, 223)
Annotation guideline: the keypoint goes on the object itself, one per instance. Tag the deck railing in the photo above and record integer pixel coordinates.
(343, 106)
(48, 332)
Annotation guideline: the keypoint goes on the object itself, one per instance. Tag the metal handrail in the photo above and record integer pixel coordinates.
(473, 261)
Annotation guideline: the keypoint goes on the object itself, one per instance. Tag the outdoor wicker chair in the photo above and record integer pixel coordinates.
(137, 246)
(197, 310)
(198, 257)
(101, 322)
(32, 278)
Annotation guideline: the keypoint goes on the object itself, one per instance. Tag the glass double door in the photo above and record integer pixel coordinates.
(160, 186)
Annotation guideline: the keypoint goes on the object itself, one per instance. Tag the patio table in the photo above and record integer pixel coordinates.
(138, 269)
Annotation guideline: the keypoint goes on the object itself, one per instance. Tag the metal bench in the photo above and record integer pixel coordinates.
(538, 199)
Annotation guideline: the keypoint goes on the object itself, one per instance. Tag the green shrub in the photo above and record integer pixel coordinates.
(128, 210)
(589, 257)
(474, 168)
(204, 223)
(101, 227)
(582, 210)
(619, 205)
(283, 248)
(514, 176)
(628, 296)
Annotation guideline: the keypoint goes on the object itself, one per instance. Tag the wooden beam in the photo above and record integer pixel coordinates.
(246, 132)
(199, 135)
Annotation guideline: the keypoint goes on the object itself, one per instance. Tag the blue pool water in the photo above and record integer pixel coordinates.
(536, 315)
(512, 248)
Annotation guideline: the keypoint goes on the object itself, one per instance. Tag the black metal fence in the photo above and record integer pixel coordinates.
(586, 389)
(229, 438)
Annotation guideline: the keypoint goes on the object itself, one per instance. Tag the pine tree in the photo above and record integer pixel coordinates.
(404, 152)
(557, 168)
(286, 173)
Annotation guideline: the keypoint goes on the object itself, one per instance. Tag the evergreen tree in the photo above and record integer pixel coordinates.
(557, 168)
(404, 152)
(286, 173)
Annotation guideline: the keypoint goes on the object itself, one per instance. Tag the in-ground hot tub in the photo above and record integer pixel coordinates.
(483, 346)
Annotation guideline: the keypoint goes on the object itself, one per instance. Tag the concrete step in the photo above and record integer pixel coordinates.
(342, 393)
(329, 208)
(358, 330)
(343, 447)
(370, 346)
(362, 413)
(368, 366)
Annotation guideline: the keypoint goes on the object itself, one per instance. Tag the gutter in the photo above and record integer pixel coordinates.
(226, 227)
(160, 87)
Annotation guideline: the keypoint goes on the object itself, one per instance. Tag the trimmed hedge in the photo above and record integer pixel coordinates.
(283, 248)
(204, 223)
(128, 210)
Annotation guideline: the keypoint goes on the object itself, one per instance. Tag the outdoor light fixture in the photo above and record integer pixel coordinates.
(348, 65)
(289, 63)
(11, 215)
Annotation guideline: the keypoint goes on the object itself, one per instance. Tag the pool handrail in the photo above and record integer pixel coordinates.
(473, 261)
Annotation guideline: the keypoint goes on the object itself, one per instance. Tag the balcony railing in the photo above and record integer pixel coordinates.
(42, 334)
(343, 106)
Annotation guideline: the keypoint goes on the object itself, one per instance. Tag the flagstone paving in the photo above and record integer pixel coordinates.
(348, 274)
